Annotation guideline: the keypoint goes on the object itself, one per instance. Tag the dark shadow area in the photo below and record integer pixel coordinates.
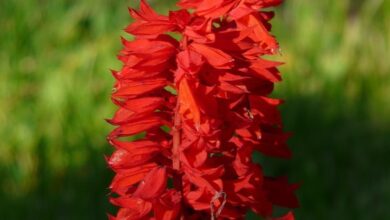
(340, 158)
(77, 193)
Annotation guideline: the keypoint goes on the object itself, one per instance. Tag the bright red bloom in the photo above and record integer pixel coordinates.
(194, 157)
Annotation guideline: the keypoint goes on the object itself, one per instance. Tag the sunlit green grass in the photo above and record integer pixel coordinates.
(55, 85)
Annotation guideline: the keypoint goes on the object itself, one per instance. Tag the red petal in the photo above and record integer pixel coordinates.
(134, 145)
(132, 214)
(126, 178)
(214, 8)
(218, 11)
(135, 108)
(199, 199)
(215, 57)
(190, 61)
(266, 109)
(131, 203)
(236, 89)
(148, 22)
(150, 28)
(146, 12)
(153, 184)
(188, 102)
(162, 47)
(189, 3)
(168, 206)
(288, 216)
(266, 69)
(129, 89)
(180, 18)
(269, 3)
(137, 127)
(260, 33)
(240, 12)
(135, 155)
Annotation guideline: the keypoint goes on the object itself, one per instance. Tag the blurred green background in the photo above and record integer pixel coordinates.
(55, 86)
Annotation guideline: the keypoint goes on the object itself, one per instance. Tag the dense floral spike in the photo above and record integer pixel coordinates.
(192, 158)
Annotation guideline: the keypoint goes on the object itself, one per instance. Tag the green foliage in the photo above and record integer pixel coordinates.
(54, 94)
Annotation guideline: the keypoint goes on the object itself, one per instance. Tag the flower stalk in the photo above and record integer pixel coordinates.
(176, 140)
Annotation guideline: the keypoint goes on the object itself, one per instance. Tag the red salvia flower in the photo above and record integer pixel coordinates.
(194, 157)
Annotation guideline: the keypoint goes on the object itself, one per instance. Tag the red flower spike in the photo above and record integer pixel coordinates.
(199, 107)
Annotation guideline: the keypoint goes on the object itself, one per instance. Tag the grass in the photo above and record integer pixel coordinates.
(55, 87)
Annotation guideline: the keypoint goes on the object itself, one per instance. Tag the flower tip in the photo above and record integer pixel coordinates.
(110, 217)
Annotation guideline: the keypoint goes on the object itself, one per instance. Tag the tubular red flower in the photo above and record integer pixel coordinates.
(197, 108)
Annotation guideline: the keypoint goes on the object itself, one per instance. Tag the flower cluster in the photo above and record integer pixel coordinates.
(199, 106)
